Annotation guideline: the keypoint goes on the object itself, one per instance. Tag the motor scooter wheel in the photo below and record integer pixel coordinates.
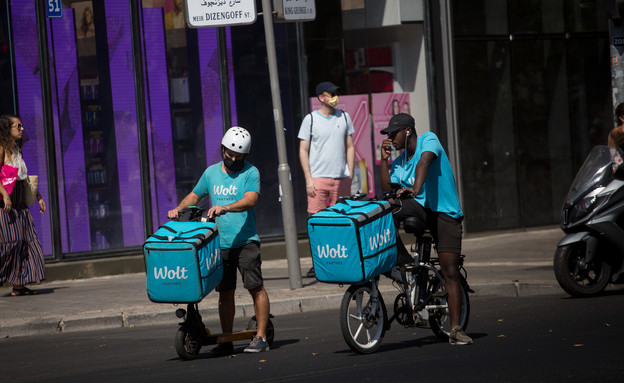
(187, 344)
(577, 278)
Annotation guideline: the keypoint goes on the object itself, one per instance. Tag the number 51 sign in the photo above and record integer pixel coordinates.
(55, 8)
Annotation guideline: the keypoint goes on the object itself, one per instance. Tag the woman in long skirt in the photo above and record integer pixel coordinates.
(21, 256)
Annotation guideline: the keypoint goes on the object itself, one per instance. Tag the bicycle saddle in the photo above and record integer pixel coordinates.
(414, 226)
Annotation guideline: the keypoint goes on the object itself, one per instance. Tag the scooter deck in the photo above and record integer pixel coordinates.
(228, 337)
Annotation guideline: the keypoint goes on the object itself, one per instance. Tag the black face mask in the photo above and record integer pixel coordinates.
(233, 165)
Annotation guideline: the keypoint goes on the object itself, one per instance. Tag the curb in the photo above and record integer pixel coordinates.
(163, 314)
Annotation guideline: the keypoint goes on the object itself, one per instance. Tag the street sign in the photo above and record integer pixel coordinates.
(293, 10)
(55, 8)
(219, 13)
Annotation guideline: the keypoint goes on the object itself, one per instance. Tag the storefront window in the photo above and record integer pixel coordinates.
(183, 102)
(376, 56)
(29, 103)
(95, 119)
(482, 17)
(529, 109)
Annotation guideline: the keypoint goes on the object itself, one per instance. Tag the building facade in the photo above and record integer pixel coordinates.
(124, 106)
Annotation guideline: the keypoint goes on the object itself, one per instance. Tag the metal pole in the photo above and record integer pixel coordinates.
(448, 68)
(283, 170)
(48, 129)
(224, 76)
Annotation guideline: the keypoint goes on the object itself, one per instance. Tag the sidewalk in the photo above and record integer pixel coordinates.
(507, 264)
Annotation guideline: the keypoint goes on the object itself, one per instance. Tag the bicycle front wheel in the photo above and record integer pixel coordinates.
(439, 318)
(362, 321)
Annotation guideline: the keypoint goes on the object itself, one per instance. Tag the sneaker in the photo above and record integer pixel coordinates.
(459, 337)
(223, 349)
(258, 344)
(311, 273)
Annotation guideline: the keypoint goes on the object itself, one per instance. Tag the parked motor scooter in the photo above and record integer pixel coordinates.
(590, 256)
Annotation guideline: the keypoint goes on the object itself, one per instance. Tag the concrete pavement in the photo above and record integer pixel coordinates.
(504, 264)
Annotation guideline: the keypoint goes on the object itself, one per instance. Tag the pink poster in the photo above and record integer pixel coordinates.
(357, 108)
(386, 105)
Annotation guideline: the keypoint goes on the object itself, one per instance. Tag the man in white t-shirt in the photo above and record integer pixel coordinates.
(326, 151)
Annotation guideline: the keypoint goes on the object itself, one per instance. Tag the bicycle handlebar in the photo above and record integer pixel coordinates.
(193, 214)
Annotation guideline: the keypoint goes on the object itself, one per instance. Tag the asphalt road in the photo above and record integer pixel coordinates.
(544, 338)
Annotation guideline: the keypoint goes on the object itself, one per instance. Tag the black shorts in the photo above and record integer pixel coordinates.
(245, 259)
(446, 230)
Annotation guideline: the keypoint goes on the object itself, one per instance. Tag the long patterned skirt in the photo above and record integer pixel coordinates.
(21, 256)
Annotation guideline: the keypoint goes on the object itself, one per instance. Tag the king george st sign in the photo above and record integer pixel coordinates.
(219, 13)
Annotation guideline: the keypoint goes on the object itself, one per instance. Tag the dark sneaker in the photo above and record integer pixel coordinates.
(223, 349)
(459, 337)
(258, 344)
(311, 273)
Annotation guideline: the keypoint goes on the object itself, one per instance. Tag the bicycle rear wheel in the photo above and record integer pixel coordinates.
(439, 318)
(362, 328)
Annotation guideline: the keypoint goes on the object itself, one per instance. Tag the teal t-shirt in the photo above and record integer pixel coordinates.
(439, 192)
(235, 229)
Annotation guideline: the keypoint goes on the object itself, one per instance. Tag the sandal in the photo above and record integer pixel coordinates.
(22, 291)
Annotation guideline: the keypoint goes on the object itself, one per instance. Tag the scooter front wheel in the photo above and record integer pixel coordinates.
(361, 320)
(187, 344)
(577, 277)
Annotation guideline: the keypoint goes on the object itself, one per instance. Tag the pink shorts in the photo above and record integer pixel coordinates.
(327, 192)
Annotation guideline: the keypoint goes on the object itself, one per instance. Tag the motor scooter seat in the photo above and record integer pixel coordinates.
(413, 225)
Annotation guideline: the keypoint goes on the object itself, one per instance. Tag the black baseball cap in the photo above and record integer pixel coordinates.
(326, 86)
(399, 121)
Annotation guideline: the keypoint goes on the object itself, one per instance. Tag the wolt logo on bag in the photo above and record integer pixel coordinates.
(166, 273)
(339, 251)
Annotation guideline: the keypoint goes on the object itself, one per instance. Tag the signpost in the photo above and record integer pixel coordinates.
(219, 13)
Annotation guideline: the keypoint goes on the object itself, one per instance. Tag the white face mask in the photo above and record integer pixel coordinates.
(333, 101)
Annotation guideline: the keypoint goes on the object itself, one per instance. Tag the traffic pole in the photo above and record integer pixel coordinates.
(283, 170)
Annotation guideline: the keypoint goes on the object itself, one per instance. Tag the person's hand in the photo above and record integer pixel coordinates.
(405, 193)
(216, 211)
(173, 214)
(386, 149)
(42, 205)
(8, 205)
(311, 188)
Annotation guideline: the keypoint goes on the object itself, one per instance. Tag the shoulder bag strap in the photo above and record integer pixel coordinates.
(311, 121)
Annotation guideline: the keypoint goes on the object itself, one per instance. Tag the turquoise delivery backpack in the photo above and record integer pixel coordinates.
(182, 262)
(352, 241)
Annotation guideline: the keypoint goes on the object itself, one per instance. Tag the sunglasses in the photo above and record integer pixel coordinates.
(394, 134)
(19, 126)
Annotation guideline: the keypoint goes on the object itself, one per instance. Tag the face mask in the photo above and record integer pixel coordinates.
(233, 165)
(333, 101)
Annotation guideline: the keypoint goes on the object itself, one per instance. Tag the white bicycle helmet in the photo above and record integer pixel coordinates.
(237, 140)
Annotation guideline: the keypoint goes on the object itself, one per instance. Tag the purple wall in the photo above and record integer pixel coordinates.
(124, 108)
(30, 106)
(211, 101)
(158, 110)
(73, 200)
